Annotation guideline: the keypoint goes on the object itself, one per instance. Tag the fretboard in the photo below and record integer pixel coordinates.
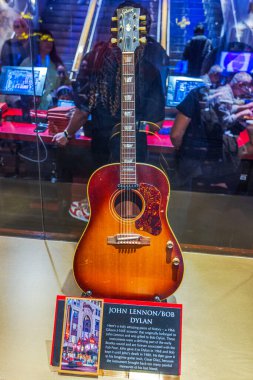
(128, 135)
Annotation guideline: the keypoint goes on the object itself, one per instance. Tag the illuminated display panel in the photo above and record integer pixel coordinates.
(179, 87)
(233, 62)
(15, 80)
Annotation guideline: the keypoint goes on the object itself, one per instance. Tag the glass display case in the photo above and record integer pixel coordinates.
(58, 57)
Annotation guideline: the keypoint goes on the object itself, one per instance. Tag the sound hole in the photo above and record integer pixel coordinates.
(128, 204)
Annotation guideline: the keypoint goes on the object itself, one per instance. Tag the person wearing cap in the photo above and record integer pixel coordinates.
(62, 93)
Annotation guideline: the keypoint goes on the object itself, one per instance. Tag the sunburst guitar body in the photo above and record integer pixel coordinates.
(128, 249)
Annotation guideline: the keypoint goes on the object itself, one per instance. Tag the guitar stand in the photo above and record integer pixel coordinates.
(86, 294)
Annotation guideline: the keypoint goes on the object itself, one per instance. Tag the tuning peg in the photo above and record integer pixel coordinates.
(114, 18)
(142, 29)
(114, 40)
(143, 17)
(114, 29)
(143, 40)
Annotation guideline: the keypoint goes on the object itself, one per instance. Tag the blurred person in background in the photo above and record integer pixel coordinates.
(97, 92)
(63, 76)
(195, 51)
(63, 96)
(231, 102)
(45, 55)
(213, 78)
(16, 49)
(205, 134)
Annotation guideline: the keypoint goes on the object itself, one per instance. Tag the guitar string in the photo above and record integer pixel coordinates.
(126, 90)
(133, 138)
(122, 154)
(125, 146)
(128, 152)
(130, 132)
(127, 133)
(130, 74)
(128, 166)
(123, 200)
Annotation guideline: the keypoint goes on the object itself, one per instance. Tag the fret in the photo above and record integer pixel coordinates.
(128, 178)
(128, 119)
(128, 169)
(128, 134)
(127, 64)
(127, 122)
(129, 137)
(129, 141)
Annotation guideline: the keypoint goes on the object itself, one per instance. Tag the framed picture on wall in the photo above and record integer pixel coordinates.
(81, 336)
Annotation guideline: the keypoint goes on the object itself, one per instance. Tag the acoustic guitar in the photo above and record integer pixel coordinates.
(128, 249)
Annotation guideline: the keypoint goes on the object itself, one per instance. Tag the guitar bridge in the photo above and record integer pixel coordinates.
(128, 239)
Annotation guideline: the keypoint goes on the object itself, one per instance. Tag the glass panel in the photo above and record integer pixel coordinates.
(21, 150)
(44, 175)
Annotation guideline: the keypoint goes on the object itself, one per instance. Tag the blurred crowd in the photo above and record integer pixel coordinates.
(209, 120)
(28, 47)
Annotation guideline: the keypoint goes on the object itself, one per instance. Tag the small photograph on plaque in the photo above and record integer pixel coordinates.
(80, 347)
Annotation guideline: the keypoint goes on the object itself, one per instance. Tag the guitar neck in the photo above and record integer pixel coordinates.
(128, 134)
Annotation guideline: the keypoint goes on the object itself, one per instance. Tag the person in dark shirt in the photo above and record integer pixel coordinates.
(195, 143)
(207, 153)
(100, 97)
(157, 56)
(97, 93)
(196, 49)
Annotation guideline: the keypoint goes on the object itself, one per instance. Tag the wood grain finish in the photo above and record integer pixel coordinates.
(128, 271)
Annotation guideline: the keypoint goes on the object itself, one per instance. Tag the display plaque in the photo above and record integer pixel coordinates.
(141, 336)
(136, 336)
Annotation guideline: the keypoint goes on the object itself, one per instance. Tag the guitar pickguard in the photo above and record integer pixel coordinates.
(150, 220)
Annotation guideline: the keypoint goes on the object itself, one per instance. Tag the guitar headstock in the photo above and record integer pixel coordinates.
(128, 29)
